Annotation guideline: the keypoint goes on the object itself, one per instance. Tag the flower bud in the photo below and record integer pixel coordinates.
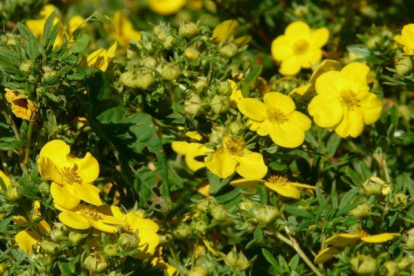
(191, 53)
(236, 128)
(165, 239)
(267, 213)
(48, 72)
(220, 104)
(75, 237)
(301, 11)
(219, 213)
(26, 66)
(95, 262)
(170, 71)
(148, 62)
(409, 238)
(229, 50)
(391, 268)
(182, 231)
(169, 42)
(192, 105)
(50, 247)
(199, 226)
(57, 234)
(403, 65)
(141, 80)
(200, 84)
(362, 210)
(44, 188)
(238, 260)
(198, 271)
(127, 241)
(161, 31)
(363, 265)
(110, 250)
(9, 39)
(14, 193)
(406, 262)
(401, 200)
(203, 205)
(372, 186)
(188, 30)
(246, 205)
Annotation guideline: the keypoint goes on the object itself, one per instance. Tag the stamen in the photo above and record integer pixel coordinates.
(89, 212)
(349, 99)
(301, 47)
(236, 145)
(70, 175)
(276, 116)
(278, 180)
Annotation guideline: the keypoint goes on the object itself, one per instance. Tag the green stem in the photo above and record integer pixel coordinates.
(28, 142)
(294, 244)
(11, 123)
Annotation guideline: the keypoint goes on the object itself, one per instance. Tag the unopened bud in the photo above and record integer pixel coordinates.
(95, 262)
(220, 104)
(141, 80)
(48, 72)
(75, 237)
(267, 213)
(183, 231)
(161, 31)
(192, 105)
(301, 11)
(372, 186)
(362, 210)
(50, 247)
(406, 262)
(191, 53)
(401, 200)
(409, 238)
(110, 250)
(203, 205)
(127, 241)
(236, 128)
(403, 65)
(166, 239)
(198, 271)
(14, 193)
(391, 268)
(219, 213)
(149, 62)
(26, 66)
(170, 71)
(238, 260)
(363, 265)
(200, 84)
(44, 188)
(169, 42)
(188, 30)
(56, 234)
(246, 205)
(199, 226)
(229, 50)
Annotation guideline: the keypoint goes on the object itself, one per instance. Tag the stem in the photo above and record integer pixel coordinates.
(11, 123)
(28, 142)
(380, 158)
(294, 244)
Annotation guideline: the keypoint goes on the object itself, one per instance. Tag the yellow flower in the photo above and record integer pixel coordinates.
(236, 94)
(299, 47)
(276, 117)
(166, 7)
(21, 107)
(343, 101)
(71, 176)
(26, 240)
(100, 58)
(233, 156)
(279, 184)
(348, 239)
(124, 30)
(158, 261)
(37, 25)
(85, 217)
(225, 32)
(407, 39)
(145, 229)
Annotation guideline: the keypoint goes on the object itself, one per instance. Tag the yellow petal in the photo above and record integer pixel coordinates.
(285, 190)
(279, 101)
(325, 255)
(298, 29)
(180, 147)
(112, 49)
(356, 72)
(48, 170)
(87, 193)
(74, 220)
(246, 183)
(166, 7)
(290, 66)
(319, 37)
(75, 22)
(326, 110)
(380, 238)
(196, 150)
(282, 48)
(139, 223)
(57, 151)
(263, 129)
(26, 239)
(5, 179)
(352, 124)
(236, 94)
(252, 108)
(224, 30)
(221, 163)
(63, 196)
(100, 225)
(300, 120)
(370, 107)
(302, 186)
(331, 83)
(343, 239)
(325, 66)
(311, 58)
(287, 135)
(44, 227)
(148, 241)
(251, 165)
(87, 167)
(116, 211)
(194, 135)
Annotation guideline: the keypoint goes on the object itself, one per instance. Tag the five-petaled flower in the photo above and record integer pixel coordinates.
(299, 47)
(22, 107)
(71, 176)
(234, 156)
(407, 39)
(276, 117)
(343, 101)
(101, 57)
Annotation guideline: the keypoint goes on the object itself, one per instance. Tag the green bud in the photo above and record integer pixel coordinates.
(131, 54)
(48, 72)
(401, 200)
(127, 241)
(362, 210)
(169, 42)
(373, 41)
(191, 53)
(391, 268)
(409, 238)
(198, 271)
(57, 234)
(26, 66)
(192, 105)
(220, 104)
(50, 247)
(238, 260)
(373, 186)
(406, 262)
(246, 205)
(14, 193)
(199, 226)
(44, 188)
(236, 128)
(75, 237)
(161, 31)
(166, 239)
(170, 71)
(188, 30)
(203, 205)
(139, 213)
(363, 265)
(95, 262)
(219, 213)
(403, 65)
(301, 11)
(267, 213)
(229, 50)
(148, 62)
(200, 84)
(182, 231)
(110, 250)
(141, 80)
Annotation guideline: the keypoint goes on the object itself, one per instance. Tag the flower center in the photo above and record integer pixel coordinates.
(349, 99)
(236, 145)
(99, 62)
(70, 175)
(127, 228)
(90, 212)
(278, 180)
(276, 116)
(301, 47)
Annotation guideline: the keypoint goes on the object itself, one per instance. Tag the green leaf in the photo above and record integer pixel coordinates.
(32, 48)
(359, 50)
(103, 18)
(297, 211)
(393, 122)
(255, 72)
(269, 257)
(216, 183)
